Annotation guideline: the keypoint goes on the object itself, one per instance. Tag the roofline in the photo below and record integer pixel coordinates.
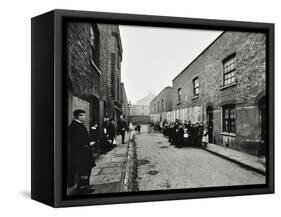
(200, 54)
(119, 38)
(160, 92)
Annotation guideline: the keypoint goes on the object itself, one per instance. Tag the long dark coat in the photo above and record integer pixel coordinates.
(179, 137)
(123, 127)
(81, 159)
(94, 134)
(111, 130)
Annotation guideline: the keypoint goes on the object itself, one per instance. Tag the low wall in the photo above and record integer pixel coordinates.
(140, 119)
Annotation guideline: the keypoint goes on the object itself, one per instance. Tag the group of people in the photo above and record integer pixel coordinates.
(183, 133)
(84, 146)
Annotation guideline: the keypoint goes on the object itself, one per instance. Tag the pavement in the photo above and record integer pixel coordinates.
(245, 160)
(109, 174)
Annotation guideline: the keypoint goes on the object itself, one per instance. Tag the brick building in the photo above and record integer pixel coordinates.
(161, 106)
(224, 87)
(124, 102)
(94, 70)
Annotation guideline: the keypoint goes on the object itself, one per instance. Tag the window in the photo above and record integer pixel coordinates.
(118, 89)
(113, 65)
(229, 70)
(196, 86)
(119, 61)
(162, 105)
(158, 106)
(179, 95)
(94, 34)
(229, 118)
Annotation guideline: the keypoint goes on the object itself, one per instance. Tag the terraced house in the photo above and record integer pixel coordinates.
(94, 55)
(224, 87)
(161, 106)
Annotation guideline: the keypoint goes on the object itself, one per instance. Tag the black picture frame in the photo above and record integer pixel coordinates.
(49, 91)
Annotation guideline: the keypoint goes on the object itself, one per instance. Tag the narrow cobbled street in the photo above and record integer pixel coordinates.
(162, 166)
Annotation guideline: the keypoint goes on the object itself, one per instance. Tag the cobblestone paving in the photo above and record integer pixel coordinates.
(162, 166)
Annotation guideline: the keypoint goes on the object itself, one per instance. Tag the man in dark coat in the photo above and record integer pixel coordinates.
(174, 132)
(122, 129)
(170, 131)
(200, 133)
(81, 159)
(111, 130)
(179, 136)
(196, 135)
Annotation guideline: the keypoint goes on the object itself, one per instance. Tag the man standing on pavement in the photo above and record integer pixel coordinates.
(174, 132)
(111, 130)
(122, 129)
(80, 157)
(179, 136)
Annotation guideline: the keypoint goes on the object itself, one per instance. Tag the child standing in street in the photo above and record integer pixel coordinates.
(205, 138)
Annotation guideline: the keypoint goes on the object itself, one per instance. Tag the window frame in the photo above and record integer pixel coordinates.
(229, 123)
(229, 69)
(179, 94)
(94, 43)
(196, 87)
(158, 107)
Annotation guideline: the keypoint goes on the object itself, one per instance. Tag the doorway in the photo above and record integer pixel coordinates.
(95, 116)
(210, 122)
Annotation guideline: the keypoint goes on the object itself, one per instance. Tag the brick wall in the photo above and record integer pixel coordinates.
(165, 96)
(250, 73)
(82, 73)
(91, 80)
(115, 53)
(84, 105)
(125, 106)
(250, 76)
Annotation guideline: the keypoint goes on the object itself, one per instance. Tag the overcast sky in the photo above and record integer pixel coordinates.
(152, 56)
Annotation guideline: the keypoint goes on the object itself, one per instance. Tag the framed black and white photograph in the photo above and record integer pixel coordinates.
(144, 108)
